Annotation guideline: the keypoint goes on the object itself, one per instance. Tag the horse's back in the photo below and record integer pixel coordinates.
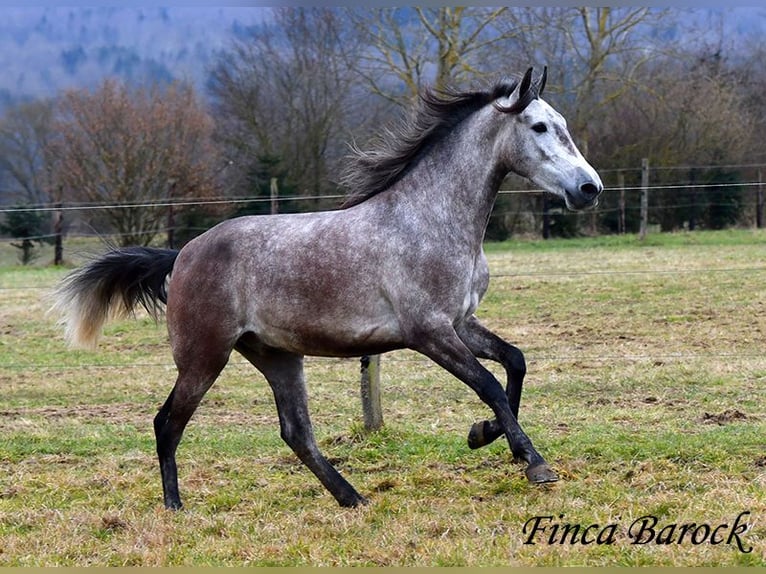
(302, 283)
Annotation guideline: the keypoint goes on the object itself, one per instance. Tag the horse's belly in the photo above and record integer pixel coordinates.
(327, 336)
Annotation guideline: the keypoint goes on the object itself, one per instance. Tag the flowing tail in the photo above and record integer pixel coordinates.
(112, 286)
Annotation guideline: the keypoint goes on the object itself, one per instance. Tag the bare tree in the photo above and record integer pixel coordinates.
(129, 150)
(689, 116)
(690, 121)
(25, 131)
(285, 96)
(411, 47)
(595, 55)
(749, 78)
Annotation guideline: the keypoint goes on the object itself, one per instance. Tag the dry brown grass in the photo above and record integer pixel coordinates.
(645, 390)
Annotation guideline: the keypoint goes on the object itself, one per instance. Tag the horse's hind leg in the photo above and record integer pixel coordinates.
(194, 380)
(284, 372)
(484, 344)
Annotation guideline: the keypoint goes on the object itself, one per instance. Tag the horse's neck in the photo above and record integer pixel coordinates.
(454, 187)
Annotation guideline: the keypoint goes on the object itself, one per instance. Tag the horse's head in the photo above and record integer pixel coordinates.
(540, 147)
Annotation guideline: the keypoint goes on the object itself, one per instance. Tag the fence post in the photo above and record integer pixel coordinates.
(621, 184)
(759, 202)
(693, 195)
(370, 385)
(644, 197)
(171, 216)
(546, 216)
(274, 192)
(58, 226)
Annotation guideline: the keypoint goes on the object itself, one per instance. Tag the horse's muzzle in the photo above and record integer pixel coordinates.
(585, 195)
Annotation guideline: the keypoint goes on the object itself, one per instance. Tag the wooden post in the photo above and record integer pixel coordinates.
(58, 226)
(692, 199)
(621, 228)
(171, 216)
(759, 202)
(373, 413)
(644, 198)
(274, 188)
(546, 216)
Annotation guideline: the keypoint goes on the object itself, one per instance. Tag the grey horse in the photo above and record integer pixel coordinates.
(400, 265)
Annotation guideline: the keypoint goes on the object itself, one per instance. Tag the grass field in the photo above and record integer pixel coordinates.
(646, 391)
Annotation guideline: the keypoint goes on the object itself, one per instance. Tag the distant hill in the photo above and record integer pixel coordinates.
(47, 49)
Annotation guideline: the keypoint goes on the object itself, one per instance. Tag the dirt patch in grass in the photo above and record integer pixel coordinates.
(132, 414)
(726, 417)
(125, 413)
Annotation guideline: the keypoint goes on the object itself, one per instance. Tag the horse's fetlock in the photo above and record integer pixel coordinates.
(517, 363)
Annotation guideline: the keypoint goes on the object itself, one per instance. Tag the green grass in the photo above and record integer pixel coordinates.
(645, 390)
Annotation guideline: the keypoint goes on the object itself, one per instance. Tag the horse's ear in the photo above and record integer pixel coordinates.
(543, 79)
(525, 93)
(526, 81)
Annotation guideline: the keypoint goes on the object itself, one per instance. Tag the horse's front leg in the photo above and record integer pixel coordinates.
(484, 344)
(445, 347)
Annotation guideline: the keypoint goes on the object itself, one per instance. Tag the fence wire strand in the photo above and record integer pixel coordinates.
(397, 357)
(212, 201)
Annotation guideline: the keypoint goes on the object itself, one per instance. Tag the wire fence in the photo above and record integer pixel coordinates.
(752, 204)
(402, 358)
(215, 201)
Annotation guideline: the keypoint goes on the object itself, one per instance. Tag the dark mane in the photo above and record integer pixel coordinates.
(394, 151)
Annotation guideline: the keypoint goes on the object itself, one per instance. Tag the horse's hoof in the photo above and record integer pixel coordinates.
(541, 474)
(476, 437)
(354, 502)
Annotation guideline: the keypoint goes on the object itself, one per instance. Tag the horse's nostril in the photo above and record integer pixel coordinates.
(590, 189)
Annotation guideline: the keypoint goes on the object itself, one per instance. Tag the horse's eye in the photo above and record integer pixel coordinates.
(540, 128)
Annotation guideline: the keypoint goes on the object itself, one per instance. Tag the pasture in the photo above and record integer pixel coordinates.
(646, 391)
